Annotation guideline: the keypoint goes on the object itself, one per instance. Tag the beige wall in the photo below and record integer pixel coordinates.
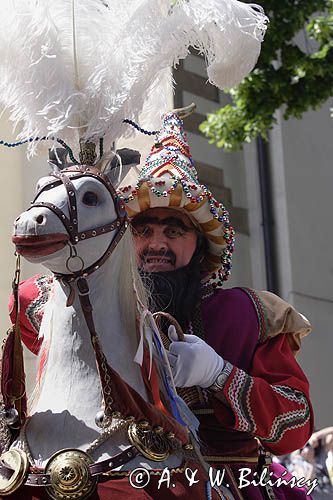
(18, 179)
(301, 153)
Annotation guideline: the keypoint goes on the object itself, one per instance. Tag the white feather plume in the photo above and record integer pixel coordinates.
(58, 81)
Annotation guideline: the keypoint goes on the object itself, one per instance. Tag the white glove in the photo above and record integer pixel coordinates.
(193, 362)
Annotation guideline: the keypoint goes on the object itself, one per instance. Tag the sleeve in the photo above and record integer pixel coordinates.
(33, 294)
(282, 318)
(271, 401)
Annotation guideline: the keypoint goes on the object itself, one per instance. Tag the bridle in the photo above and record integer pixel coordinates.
(71, 223)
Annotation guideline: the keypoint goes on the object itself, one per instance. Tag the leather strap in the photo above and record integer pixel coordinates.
(87, 309)
(40, 479)
(68, 278)
(110, 464)
(71, 224)
(12, 373)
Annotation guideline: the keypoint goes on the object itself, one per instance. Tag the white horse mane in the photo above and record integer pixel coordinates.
(133, 295)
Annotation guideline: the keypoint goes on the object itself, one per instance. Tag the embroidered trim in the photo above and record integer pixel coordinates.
(261, 312)
(292, 419)
(291, 394)
(239, 392)
(34, 311)
(287, 422)
(207, 290)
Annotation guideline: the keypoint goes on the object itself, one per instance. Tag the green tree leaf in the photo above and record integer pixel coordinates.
(295, 69)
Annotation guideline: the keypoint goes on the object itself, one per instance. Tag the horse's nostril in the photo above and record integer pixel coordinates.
(40, 219)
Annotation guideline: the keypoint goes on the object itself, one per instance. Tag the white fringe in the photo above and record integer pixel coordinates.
(123, 48)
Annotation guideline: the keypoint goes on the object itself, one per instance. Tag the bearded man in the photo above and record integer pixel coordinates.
(236, 368)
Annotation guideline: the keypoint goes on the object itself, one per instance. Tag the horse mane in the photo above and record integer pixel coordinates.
(133, 294)
(133, 298)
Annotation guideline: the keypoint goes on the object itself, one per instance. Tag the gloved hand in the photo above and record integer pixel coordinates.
(193, 362)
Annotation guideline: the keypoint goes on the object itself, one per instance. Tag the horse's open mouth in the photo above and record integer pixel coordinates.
(36, 246)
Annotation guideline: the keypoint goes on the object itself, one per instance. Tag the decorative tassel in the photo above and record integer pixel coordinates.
(12, 373)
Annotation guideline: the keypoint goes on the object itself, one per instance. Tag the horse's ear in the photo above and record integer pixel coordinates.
(58, 159)
(121, 163)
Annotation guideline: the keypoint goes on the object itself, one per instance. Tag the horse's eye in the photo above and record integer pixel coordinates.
(90, 198)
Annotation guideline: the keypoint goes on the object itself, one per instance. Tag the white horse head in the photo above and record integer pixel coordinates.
(42, 236)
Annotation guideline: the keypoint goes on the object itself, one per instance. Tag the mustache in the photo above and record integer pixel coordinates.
(158, 253)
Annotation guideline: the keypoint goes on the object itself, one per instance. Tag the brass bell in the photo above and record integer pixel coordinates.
(100, 418)
(10, 416)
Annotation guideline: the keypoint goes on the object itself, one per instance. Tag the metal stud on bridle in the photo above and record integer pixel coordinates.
(71, 223)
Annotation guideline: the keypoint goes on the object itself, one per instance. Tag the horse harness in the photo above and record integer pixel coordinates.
(72, 223)
(71, 473)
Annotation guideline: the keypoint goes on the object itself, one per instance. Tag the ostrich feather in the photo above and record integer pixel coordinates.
(74, 68)
(75, 58)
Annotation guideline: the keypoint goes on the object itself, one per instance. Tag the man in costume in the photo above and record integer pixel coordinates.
(236, 369)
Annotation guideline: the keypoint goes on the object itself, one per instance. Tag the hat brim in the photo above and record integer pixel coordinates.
(194, 200)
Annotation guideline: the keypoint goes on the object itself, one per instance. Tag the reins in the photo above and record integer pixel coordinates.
(12, 369)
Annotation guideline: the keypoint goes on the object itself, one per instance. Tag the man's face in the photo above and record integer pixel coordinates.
(165, 239)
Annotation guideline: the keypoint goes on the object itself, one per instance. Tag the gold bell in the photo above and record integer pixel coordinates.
(15, 465)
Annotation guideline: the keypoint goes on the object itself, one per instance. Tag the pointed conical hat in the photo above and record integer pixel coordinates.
(169, 180)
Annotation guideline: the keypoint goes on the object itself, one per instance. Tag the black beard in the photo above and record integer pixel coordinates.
(175, 292)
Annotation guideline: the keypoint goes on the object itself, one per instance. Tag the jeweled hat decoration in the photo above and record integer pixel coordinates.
(169, 179)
